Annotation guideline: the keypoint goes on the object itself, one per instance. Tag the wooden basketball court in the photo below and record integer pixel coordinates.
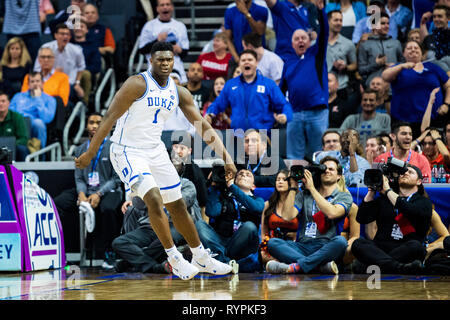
(75, 283)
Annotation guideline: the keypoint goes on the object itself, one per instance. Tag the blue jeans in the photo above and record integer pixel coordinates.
(304, 133)
(39, 130)
(242, 243)
(309, 253)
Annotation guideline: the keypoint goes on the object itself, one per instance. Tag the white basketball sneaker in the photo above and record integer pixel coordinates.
(206, 263)
(182, 268)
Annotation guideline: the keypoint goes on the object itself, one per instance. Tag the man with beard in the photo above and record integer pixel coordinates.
(369, 122)
(403, 219)
(199, 91)
(317, 247)
(350, 158)
(98, 186)
(402, 137)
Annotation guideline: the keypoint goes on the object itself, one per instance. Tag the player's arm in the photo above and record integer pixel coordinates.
(131, 90)
(202, 126)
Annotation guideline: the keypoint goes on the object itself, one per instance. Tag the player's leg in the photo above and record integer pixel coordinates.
(201, 258)
(132, 168)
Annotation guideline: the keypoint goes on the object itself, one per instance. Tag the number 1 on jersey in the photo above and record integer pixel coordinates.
(156, 116)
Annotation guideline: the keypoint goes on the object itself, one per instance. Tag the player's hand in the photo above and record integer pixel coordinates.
(83, 161)
(230, 168)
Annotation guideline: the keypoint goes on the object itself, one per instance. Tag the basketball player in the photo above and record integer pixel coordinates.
(139, 156)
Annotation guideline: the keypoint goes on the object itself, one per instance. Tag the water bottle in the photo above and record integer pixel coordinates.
(434, 174)
(442, 174)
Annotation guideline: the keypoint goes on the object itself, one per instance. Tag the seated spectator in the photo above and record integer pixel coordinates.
(398, 243)
(289, 16)
(92, 56)
(278, 220)
(349, 157)
(165, 28)
(352, 12)
(101, 35)
(12, 124)
(196, 86)
(269, 63)
(15, 64)
(386, 140)
(374, 147)
(215, 63)
(369, 122)
(331, 140)
(235, 215)
(261, 157)
(436, 234)
(402, 16)
(307, 95)
(402, 136)
(100, 187)
(341, 52)
(242, 19)
(365, 26)
(437, 41)
(340, 105)
(139, 246)
(434, 149)
(69, 59)
(378, 52)
(256, 101)
(317, 246)
(382, 89)
(222, 121)
(412, 83)
(56, 83)
(36, 105)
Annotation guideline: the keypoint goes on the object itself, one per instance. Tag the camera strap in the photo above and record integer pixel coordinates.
(409, 156)
(257, 166)
(403, 226)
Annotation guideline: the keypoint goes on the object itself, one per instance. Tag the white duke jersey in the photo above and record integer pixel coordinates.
(142, 124)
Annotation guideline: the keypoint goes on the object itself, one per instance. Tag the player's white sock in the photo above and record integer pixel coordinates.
(171, 252)
(198, 251)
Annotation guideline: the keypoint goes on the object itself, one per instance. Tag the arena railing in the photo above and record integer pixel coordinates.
(78, 111)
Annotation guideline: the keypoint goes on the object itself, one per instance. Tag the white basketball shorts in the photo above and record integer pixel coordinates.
(144, 169)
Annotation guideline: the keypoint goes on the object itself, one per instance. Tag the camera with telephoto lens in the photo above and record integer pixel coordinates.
(218, 174)
(5, 155)
(393, 168)
(298, 171)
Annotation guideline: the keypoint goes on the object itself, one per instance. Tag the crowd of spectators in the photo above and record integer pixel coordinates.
(350, 82)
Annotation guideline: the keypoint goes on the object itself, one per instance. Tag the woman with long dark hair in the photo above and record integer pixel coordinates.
(277, 220)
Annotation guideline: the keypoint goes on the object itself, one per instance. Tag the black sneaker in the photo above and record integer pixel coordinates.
(121, 266)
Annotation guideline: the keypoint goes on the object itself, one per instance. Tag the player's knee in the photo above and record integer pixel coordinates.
(153, 199)
(177, 207)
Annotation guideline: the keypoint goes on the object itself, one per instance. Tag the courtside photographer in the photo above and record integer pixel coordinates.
(402, 211)
(234, 213)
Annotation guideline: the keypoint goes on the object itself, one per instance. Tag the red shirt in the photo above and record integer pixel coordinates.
(213, 67)
(416, 159)
(436, 162)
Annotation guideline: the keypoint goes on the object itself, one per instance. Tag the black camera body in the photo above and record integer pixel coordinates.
(218, 175)
(5, 155)
(393, 168)
(298, 171)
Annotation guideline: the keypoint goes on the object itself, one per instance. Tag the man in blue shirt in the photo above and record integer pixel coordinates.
(305, 78)
(256, 101)
(245, 17)
(36, 105)
(289, 16)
